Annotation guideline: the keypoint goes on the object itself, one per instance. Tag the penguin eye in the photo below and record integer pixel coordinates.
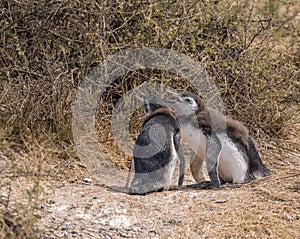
(146, 108)
(188, 100)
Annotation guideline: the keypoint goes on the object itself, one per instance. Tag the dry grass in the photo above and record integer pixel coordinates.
(251, 50)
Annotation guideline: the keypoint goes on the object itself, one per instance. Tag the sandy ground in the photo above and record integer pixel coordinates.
(268, 208)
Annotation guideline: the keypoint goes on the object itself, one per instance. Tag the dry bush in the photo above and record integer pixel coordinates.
(250, 50)
(22, 168)
(18, 226)
(17, 208)
(17, 219)
(47, 48)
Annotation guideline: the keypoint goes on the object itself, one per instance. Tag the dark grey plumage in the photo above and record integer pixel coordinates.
(156, 149)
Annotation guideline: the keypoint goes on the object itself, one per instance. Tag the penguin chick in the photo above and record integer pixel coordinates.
(230, 154)
(156, 149)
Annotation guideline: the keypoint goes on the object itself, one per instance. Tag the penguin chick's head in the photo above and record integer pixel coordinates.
(152, 103)
(186, 104)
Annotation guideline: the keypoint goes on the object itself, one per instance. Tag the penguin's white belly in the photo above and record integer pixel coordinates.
(170, 168)
(232, 165)
(196, 139)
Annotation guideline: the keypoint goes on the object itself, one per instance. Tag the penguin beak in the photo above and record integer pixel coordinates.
(155, 99)
(174, 97)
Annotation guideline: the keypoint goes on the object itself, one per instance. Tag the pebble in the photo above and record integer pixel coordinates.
(61, 185)
(51, 220)
(43, 205)
(73, 180)
(288, 217)
(63, 228)
(87, 180)
(68, 224)
(82, 216)
(82, 194)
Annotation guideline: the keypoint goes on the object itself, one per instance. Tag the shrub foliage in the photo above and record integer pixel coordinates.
(250, 49)
(47, 47)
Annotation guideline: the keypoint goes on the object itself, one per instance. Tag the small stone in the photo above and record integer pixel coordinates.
(288, 217)
(67, 224)
(87, 180)
(40, 207)
(95, 222)
(63, 228)
(61, 185)
(73, 180)
(82, 194)
(221, 201)
(51, 220)
(81, 216)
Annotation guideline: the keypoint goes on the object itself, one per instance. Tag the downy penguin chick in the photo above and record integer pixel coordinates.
(230, 153)
(156, 149)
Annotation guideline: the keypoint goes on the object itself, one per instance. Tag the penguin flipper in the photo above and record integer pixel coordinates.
(181, 158)
(213, 152)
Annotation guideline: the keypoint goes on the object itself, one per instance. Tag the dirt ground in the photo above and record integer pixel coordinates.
(267, 208)
(74, 205)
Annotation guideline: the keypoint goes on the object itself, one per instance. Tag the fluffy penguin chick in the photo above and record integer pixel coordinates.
(156, 149)
(230, 153)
